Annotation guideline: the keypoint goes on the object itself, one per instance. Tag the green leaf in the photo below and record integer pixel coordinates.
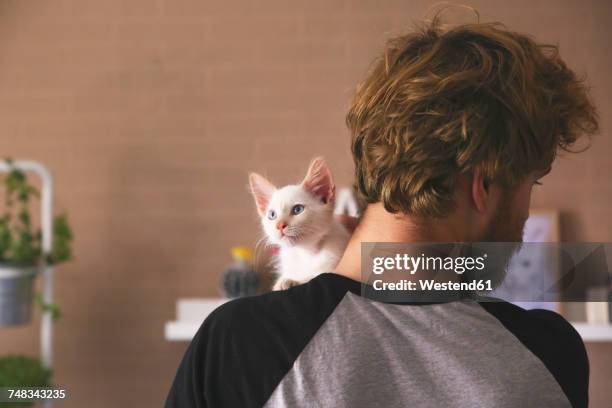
(23, 371)
(5, 238)
(24, 216)
(62, 240)
(15, 180)
(53, 308)
(20, 243)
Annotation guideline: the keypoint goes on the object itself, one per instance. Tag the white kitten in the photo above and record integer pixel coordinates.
(300, 220)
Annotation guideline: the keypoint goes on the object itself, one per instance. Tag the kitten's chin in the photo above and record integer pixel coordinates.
(287, 240)
(283, 241)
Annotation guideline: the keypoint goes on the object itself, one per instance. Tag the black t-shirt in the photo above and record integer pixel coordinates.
(322, 344)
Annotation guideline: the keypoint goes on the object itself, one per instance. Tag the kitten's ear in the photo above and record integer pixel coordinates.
(319, 180)
(262, 191)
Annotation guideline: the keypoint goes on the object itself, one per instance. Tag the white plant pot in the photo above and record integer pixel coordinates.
(16, 293)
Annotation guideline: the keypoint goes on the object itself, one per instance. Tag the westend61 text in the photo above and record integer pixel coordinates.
(430, 284)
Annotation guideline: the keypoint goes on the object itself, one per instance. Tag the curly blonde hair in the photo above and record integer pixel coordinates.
(441, 102)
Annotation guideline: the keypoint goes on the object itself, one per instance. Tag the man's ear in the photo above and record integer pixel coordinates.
(318, 180)
(262, 191)
(480, 190)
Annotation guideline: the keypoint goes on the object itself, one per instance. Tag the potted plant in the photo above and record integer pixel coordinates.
(22, 371)
(21, 253)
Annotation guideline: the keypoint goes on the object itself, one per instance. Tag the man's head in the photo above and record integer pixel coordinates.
(463, 121)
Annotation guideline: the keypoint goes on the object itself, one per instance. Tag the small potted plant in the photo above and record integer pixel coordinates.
(21, 253)
(21, 371)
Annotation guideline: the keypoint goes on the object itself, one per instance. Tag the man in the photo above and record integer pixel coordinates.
(450, 131)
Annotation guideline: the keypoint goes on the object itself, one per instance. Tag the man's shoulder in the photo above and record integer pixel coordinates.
(239, 314)
(250, 343)
(288, 315)
(556, 326)
(535, 323)
(551, 338)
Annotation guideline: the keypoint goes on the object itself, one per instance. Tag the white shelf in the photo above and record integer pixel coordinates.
(591, 332)
(190, 313)
(180, 331)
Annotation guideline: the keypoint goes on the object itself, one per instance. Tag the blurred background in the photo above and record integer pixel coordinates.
(150, 114)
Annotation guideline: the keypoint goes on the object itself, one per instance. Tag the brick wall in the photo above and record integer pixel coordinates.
(151, 113)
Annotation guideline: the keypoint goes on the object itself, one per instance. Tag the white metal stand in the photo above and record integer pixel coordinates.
(46, 206)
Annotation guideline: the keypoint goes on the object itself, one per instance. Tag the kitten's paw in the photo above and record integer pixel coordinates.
(282, 284)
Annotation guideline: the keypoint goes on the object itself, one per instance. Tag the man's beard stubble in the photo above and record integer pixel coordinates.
(505, 226)
(502, 241)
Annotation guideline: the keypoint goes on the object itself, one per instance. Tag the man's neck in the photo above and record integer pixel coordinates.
(378, 225)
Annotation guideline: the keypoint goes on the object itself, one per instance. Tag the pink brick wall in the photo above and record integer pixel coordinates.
(151, 113)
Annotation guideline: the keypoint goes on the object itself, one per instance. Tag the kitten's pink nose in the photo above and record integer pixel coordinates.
(281, 226)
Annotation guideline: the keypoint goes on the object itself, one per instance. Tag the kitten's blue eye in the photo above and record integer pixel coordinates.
(297, 209)
(271, 214)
